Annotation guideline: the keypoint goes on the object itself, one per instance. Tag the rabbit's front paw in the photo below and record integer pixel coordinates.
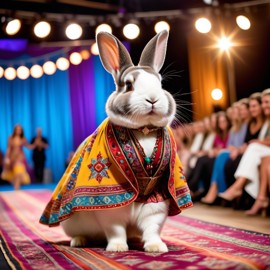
(117, 246)
(155, 247)
(78, 241)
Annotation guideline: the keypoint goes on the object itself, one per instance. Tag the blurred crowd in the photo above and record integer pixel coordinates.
(226, 156)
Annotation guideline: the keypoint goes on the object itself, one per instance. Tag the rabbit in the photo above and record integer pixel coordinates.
(140, 105)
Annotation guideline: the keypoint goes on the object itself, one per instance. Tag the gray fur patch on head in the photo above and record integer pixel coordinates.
(135, 71)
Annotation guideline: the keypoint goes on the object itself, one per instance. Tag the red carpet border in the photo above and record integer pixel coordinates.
(193, 244)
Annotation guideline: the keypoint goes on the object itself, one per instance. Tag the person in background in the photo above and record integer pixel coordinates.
(239, 117)
(262, 201)
(209, 132)
(199, 181)
(15, 166)
(39, 156)
(247, 173)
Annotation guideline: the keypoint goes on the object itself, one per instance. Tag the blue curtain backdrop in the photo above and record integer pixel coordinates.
(68, 106)
(45, 103)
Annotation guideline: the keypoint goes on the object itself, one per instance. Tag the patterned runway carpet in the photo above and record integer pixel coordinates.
(193, 244)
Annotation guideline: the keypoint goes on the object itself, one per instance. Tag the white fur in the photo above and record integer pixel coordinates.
(148, 105)
(147, 86)
(118, 225)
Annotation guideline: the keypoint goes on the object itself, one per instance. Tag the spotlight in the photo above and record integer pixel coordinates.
(131, 31)
(104, 28)
(10, 73)
(208, 2)
(36, 71)
(94, 49)
(243, 22)
(1, 72)
(49, 68)
(75, 58)
(162, 25)
(203, 25)
(224, 43)
(13, 27)
(42, 29)
(23, 72)
(73, 31)
(62, 63)
(216, 94)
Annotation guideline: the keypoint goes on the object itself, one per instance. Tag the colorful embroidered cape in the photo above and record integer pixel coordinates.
(107, 172)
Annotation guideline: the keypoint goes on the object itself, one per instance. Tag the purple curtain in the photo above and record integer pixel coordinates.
(82, 97)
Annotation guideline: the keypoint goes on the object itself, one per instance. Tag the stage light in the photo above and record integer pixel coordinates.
(85, 54)
(104, 28)
(203, 25)
(94, 49)
(216, 94)
(13, 27)
(49, 68)
(23, 72)
(36, 71)
(75, 58)
(162, 25)
(10, 73)
(131, 31)
(224, 43)
(1, 72)
(243, 22)
(73, 31)
(62, 63)
(42, 29)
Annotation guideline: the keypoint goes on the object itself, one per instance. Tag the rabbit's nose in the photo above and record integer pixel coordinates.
(151, 101)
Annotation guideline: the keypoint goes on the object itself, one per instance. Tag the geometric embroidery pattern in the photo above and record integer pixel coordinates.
(99, 167)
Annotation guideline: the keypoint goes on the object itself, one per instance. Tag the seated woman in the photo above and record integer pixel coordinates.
(205, 163)
(262, 200)
(209, 124)
(14, 169)
(247, 170)
(239, 118)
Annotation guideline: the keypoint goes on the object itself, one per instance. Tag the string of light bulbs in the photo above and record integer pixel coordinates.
(22, 69)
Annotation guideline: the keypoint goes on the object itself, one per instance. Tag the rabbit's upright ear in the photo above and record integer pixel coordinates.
(113, 54)
(154, 52)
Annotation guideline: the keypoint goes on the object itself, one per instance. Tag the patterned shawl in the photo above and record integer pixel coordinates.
(107, 172)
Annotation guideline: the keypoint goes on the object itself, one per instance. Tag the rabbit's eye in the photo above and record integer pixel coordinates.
(129, 86)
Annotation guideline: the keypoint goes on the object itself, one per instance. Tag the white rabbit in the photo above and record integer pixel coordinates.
(140, 106)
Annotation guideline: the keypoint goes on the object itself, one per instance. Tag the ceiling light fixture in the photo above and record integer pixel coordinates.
(161, 25)
(104, 28)
(131, 31)
(73, 31)
(243, 22)
(203, 25)
(42, 29)
(13, 27)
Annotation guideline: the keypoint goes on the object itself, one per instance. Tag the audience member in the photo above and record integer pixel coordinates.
(15, 170)
(254, 131)
(202, 171)
(247, 171)
(38, 155)
(239, 116)
(208, 136)
(262, 200)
